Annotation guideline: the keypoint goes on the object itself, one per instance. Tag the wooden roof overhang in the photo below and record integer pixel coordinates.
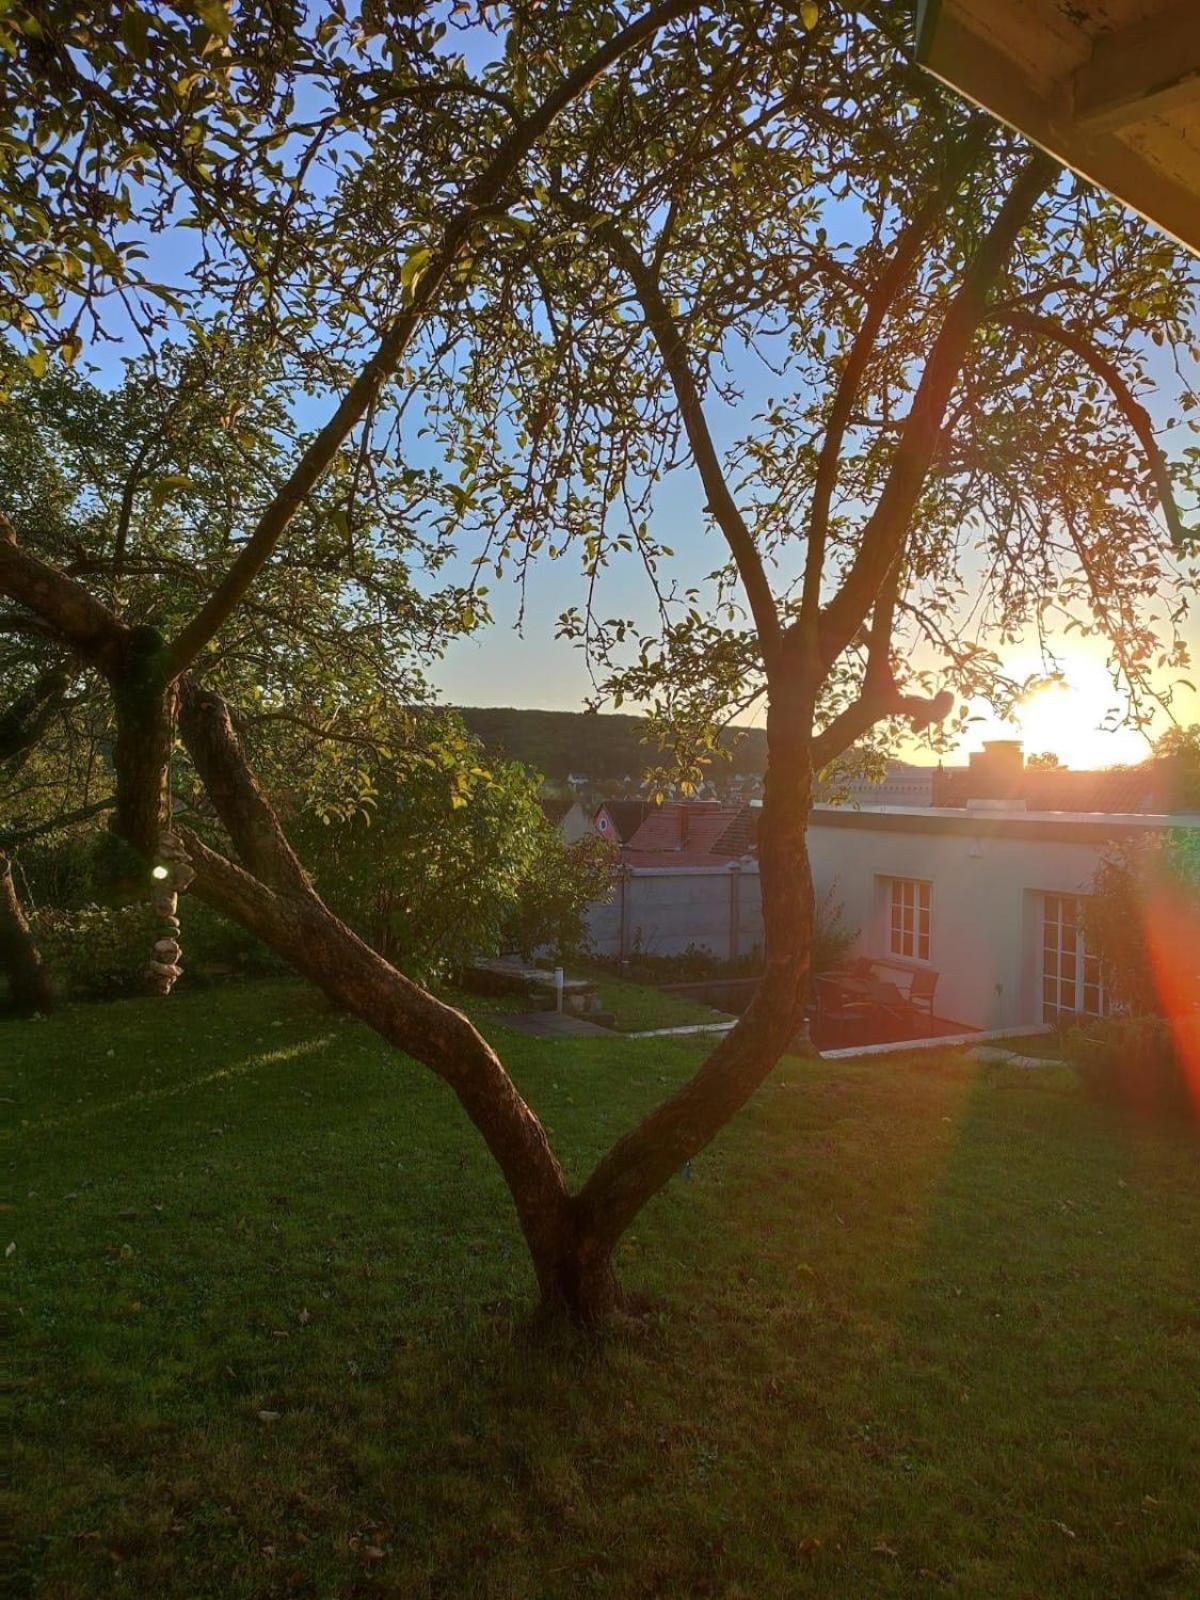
(1111, 88)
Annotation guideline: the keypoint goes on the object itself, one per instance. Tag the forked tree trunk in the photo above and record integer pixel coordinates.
(29, 985)
(571, 1239)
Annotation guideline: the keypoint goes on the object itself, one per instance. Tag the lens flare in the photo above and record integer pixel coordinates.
(1173, 940)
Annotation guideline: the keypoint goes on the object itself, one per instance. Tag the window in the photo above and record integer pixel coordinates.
(1072, 982)
(911, 898)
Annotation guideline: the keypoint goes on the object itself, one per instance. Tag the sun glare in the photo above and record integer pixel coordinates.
(1072, 717)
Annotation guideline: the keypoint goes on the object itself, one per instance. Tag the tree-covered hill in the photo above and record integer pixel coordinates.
(602, 746)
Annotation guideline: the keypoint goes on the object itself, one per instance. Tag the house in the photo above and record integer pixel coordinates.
(568, 816)
(618, 820)
(988, 895)
(692, 833)
(999, 771)
(689, 878)
(900, 784)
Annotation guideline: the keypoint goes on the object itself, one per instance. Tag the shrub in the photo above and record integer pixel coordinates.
(1137, 1065)
(1139, 890)
(97, 952)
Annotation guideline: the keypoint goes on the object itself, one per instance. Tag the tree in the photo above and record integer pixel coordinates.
(1181, 748)
(452, 859)
(1047, 761)
(553, 258)
(1140, 893)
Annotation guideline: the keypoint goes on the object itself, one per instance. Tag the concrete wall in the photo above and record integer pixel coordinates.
(663, 911)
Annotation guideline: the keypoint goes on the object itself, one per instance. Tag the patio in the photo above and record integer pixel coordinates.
(871, 1002)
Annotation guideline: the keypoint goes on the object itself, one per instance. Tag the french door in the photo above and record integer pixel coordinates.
(1072, 983)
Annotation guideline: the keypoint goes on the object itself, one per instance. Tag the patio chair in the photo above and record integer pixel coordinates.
(920, 995)
(836, 1007)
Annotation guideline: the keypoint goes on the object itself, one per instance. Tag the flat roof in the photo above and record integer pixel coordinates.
(1079, 827)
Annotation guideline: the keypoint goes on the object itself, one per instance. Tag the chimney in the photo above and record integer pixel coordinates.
(997, 771)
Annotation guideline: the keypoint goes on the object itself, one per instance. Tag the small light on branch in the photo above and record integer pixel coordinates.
(160, 872)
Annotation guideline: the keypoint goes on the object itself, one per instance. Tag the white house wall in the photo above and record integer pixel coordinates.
(988, 876)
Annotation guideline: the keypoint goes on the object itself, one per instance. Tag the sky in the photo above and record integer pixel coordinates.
(503, 665)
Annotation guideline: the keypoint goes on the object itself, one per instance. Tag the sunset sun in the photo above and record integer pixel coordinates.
(1075, 717)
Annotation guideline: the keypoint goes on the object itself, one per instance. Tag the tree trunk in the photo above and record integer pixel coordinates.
(145, 711)
(29, 984)
(641, 1163)
(571, 1240)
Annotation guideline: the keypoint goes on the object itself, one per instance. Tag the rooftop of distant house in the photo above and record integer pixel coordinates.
(693, 833)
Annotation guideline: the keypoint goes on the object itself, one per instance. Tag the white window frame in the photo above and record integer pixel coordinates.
(910, 919)
(1071, 978)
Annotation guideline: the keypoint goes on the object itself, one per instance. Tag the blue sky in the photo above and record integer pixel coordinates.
(501, 666)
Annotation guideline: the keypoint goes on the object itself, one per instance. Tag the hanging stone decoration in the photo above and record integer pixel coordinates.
(170, 875)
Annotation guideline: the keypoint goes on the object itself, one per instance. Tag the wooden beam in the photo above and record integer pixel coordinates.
(978, 69)
(1140, 71)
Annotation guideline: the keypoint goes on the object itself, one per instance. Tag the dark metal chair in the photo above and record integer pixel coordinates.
(839, 1009)
(920, 995)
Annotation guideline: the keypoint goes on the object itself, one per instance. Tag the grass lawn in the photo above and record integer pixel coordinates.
(923, 1328)
(636, 1007)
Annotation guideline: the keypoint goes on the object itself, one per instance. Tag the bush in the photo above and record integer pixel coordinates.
(1136, 1065)
(1140, 918)
(215, 947)
(97, 952)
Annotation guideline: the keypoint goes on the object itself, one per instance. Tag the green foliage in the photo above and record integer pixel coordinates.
(608, 748)
(560, 881)
(450, 859)
(1129, 881)
(96, 952)
(1181, 747)
(1139, 1065)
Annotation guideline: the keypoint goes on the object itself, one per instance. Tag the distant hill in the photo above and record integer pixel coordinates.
(603, 745)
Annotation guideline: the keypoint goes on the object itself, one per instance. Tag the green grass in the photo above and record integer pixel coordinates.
(1043, 1046)
(922, 1328)
(636, 1007)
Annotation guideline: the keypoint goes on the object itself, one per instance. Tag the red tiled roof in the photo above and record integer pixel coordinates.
(627, 816)
(692, 833)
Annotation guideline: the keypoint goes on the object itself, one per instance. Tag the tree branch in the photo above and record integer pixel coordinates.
(17, 836)
(673, 349)
(884, 534)
(77, 618)
(1029, 322)
(481, 198)
(206, 728)
(911, 241)
(23, 724)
